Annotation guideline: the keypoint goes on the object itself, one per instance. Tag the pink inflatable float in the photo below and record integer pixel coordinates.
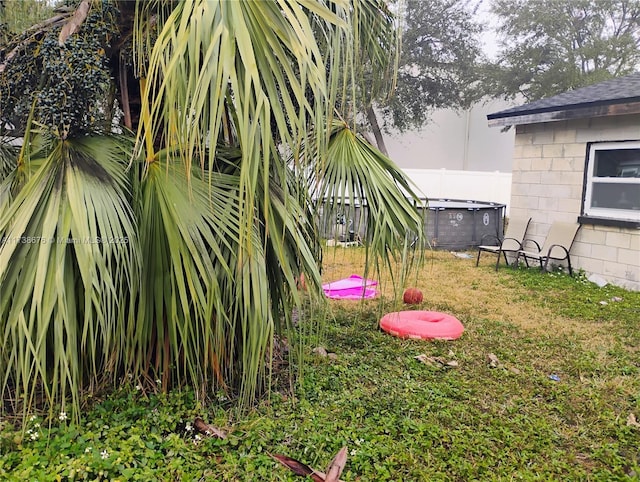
(352, 288)
(428, 325)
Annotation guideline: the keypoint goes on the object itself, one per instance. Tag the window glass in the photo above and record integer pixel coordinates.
(615, 196)
(613, 181)
(617, 163)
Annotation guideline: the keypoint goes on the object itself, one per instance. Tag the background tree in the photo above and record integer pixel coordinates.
(151, 227)
(551, 46)
(437, 68)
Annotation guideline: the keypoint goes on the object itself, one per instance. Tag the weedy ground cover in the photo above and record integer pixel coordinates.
(544, 385)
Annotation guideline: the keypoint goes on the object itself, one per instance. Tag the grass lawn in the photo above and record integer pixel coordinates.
(546, 387)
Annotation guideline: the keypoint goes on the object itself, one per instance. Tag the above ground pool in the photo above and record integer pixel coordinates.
(449, 223)
(454, 224)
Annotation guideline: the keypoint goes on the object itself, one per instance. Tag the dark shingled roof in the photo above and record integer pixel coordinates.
(614, 91)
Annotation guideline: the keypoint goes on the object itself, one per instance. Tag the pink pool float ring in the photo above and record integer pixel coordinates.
(427, 325)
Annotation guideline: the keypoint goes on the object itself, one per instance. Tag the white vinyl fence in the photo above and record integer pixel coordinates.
(464, 185)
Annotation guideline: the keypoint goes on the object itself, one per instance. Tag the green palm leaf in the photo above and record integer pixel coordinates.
(209, 50)
(8, 157)
(68, 264)
(252, 75)
(185, 230)
(357, 173)
(284, 245)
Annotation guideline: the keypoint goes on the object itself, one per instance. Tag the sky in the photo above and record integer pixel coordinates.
(488, 38)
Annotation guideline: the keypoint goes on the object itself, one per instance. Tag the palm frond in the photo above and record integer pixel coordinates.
(356, 173)
(69, 261)
(363, 58)
(261, 292)
(250, 75)
(212, 54)
(186, 230)
(251, 63)
(8, 156)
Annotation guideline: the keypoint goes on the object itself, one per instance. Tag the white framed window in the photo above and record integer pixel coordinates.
(612, 178)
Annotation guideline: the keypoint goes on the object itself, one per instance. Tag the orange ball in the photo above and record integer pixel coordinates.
(412, 296)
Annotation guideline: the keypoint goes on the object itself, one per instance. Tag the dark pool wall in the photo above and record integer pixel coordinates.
(449, 223)
(460, 225)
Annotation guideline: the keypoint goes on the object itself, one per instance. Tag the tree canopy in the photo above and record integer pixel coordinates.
(551, 46)
(438, 63)
(437, 68)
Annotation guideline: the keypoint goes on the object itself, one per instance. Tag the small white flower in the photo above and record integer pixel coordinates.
(138, 387)
(30, 431)
(353, 452)
(197, 438)
(158, 382)
(87, 450)
(63, 416)
(104, 454)
(34, 435)
(188, 427)
(32, 418)
(36, 425)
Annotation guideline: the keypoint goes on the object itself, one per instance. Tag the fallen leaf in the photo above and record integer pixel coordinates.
(422, 358)
(206, 429)
(436, 361)
(429, 360)
(332, 356)
(298, 468)
(336, 466)
(323, 476)
(514, 370)
(631, 421)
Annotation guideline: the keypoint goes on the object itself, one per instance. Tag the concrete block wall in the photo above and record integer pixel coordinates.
(547, 185)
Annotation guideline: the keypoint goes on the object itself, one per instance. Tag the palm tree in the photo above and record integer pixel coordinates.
(154, 226)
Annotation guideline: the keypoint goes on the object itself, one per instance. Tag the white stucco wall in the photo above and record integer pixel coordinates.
(548, 172)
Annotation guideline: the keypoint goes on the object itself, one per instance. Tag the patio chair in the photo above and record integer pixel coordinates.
(555, 247)
(510, 243)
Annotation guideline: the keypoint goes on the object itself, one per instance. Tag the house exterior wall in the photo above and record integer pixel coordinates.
(547, 185)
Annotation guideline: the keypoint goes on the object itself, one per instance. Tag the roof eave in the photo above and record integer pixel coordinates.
(565, 114)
